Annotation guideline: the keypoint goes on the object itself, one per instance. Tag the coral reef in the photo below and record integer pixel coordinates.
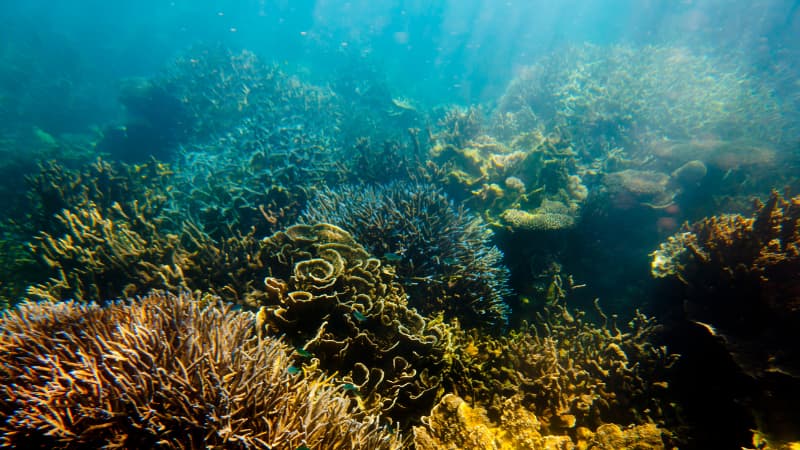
(630, 188)
(738, 281)
(453, 424)
(345, 313)
(104, 257)
(113, 234)
(101, 184)
(441, 253)
(568, 371)
(523, 175)
(219, 88)
(606, 97)
(166, 372)
(269, 152)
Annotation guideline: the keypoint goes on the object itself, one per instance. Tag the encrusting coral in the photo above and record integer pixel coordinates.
(346, 313)
(455, 425)
(503, 179)
(165, 372)
(442, 254)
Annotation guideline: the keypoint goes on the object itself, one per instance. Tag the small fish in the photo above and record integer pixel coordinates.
(450, 261)
(359, 316)
(302, 447)
(351, 387)
(303, 352)
(392, 257)
(293, 370)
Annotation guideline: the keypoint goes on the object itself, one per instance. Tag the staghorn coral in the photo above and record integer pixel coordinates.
(251, 144)
(166, 372)
(568, 371)
(103, 257)
(102, 184)
(453, 424)
(442, 254)
(219, 88)
(346, 312)
(738, 281)
(607, 97)
(111, 233)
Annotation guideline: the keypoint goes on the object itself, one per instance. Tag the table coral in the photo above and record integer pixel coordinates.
(167, 372)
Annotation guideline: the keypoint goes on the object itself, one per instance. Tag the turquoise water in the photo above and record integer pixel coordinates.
(502, 165)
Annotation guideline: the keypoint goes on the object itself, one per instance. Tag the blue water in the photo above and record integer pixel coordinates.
(654, 112)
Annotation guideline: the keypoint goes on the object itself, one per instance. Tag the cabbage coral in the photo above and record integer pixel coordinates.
(166, 372)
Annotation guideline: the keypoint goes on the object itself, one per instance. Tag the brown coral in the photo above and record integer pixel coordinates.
(569, 371)
(739, 281)
(167, 372)
(348, 314)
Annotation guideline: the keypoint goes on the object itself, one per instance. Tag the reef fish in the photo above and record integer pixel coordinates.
(392, 257)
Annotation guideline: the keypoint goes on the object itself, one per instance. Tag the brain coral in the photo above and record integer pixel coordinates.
(164, 372)
(442, 253)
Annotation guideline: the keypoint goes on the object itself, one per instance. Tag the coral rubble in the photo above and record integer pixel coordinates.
(165, 372)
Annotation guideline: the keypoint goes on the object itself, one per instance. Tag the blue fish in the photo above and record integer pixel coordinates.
(351, 387)
(359, 316)
(392, 257)
(293, 370)
(303, 352)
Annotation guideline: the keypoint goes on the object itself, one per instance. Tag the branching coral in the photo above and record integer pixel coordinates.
(270, 150)
(739, 281)
(442, 254)
(113, 235)
(166, 372)
(607, 97)
(102, 185)
(348, 315)
(569, 371)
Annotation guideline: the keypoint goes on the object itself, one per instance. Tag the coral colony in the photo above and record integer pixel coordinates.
(294, 271)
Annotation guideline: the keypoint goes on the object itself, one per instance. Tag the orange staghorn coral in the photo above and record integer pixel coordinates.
(167, 372)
